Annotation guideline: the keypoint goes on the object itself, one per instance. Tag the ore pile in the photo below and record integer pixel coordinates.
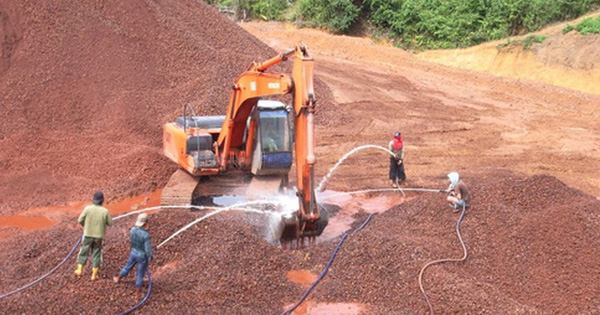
(86, 87)
(221, 265)
(533, 247)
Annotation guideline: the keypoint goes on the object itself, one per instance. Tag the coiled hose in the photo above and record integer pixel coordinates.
(305, 295)
(462, 243)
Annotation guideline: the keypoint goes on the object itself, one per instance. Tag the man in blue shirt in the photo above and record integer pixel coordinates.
(141, 252)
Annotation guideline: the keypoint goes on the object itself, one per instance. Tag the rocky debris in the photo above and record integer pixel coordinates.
(532, 244)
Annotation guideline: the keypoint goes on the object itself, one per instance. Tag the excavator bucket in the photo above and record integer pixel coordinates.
(290, 227)
(294, 230)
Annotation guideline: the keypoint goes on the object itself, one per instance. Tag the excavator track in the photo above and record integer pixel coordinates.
(179, 189)
(185, 189)
(230, 187)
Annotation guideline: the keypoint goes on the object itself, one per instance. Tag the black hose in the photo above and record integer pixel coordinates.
(305, 295)
(462, 243)
(44, 276)
(145, 298)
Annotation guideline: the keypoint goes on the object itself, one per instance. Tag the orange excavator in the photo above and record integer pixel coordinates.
(248, 151)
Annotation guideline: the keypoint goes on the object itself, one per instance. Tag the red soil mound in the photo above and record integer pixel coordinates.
(532, 248)
(86, 87)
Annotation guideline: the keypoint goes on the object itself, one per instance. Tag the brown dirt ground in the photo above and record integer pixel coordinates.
(450, 118)
(86, 88)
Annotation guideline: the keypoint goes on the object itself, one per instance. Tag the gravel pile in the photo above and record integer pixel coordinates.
(532, 243)
(219, 265)
(533, 246)
(86, 88)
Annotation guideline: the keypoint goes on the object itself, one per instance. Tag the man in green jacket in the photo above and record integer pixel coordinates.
(94, 219)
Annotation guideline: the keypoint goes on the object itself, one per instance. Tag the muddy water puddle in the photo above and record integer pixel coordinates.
(135, 203)
(313, 308)
(40, 218)
(351, 204)
(303, 277)
(25, 222)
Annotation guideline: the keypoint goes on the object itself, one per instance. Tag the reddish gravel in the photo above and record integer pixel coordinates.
(86, 87)
(219, 265)
(533, 245)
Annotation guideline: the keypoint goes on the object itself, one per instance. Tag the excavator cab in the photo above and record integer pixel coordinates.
(273, 139)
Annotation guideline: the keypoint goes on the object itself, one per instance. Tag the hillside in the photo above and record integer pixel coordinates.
(569, 60)
(87, 86)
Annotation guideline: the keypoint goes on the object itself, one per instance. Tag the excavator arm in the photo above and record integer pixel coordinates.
(304, 107)
(257, 83)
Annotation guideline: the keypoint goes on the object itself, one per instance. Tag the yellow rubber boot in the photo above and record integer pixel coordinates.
(94, 273)
(79, 270)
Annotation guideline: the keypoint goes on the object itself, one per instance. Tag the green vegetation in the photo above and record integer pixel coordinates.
(436, 24)
(252, 9)
(586, 26)
(529, 40)
(336, 15)
(526, 42)
(423, 24)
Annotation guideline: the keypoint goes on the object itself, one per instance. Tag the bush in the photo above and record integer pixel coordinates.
(268, 10)
(337, 15)
(526, 43)
(531, 39)
(255, 9)
(462, 23)
(568, 29)
(589, 25)
(586, 26)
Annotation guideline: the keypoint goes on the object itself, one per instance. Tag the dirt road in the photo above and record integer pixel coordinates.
(451, 119)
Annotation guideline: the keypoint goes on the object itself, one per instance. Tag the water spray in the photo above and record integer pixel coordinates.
(362, 147)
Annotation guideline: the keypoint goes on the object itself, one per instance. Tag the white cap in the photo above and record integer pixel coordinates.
(141, 220)
(453, 177)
